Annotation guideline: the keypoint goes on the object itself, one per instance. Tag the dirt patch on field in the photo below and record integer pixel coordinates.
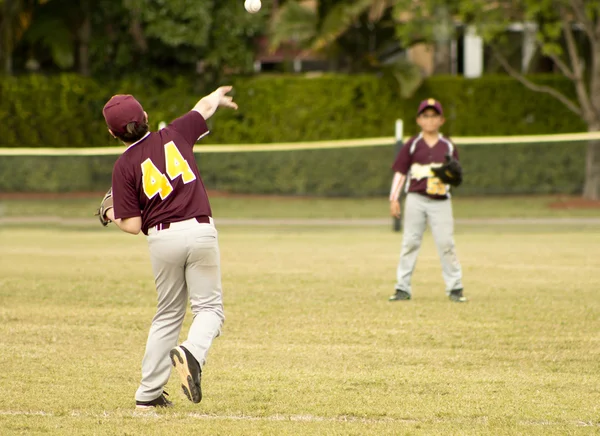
(574, 203)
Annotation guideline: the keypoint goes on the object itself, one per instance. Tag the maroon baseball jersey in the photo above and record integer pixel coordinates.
(416, 159)
(157, 177)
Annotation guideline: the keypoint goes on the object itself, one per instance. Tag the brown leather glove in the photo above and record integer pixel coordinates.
(105, 205)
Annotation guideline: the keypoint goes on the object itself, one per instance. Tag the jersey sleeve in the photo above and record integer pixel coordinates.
(192, 126)
(125, 196)
(402, 162)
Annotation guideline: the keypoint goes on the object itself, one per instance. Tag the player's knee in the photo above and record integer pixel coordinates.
(170, 306)
(220, 314)
(215, 307)
(170, 315)
(411, 244)
(446, 246)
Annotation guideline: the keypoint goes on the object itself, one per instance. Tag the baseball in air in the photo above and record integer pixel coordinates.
(252, 6)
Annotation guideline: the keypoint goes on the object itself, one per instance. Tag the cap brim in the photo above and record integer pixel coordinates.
(429, 107)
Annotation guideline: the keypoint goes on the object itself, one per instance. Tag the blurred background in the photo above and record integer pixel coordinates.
(306, 71)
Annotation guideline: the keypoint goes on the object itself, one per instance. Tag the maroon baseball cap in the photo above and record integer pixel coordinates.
(430, 103)
(122, 110)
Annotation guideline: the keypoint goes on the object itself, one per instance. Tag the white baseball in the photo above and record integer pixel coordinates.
(252, 6)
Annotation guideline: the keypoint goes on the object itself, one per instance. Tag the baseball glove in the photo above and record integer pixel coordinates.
(450, 173)
(105, 205)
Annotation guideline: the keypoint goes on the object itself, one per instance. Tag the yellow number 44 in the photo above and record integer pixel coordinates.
(177, 165)
(156, 183)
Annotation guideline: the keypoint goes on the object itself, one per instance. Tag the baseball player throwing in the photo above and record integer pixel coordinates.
(430, 163)
(157, 189)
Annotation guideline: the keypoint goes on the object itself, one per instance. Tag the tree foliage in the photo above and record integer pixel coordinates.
(115, 37)
(568, 32)
(358, 34)
(178, 24)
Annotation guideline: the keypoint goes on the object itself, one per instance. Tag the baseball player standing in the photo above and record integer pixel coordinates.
(427, 200)
(157, 188)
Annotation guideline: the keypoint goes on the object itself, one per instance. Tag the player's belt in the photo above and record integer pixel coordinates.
(202, 219)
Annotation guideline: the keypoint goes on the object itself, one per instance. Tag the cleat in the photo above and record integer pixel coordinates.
(157, 402)
(400, 296)
(457, 296)
(189, 372)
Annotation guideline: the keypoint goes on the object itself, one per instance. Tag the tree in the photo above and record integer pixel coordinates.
(567, 31)
(50, 26)
(15, 18)
(52, 35)
(232, 38)
(109, 38)
(360, 33)
(181, 26)
(323, 26)
(211, 35)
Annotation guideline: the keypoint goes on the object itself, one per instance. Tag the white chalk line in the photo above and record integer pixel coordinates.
(204, 416)
(277, 418)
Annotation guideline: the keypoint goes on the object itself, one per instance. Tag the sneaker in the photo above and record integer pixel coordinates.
(399, 296)
(457, 296)
(157, 402)
(189, 371)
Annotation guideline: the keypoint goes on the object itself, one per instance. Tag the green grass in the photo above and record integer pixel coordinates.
(290, 207)
(310, 344)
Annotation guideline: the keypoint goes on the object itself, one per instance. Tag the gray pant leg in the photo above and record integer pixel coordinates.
(415, 222)
(203, 276)
(442, 228)
(167, 254)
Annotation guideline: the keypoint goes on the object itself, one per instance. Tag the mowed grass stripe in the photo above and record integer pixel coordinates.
(277, 207)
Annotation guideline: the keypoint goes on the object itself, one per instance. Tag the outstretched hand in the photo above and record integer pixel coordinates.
(224, 99)
(208, 105)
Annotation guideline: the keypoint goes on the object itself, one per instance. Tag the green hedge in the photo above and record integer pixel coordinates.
(58, 111)
(275, 109)
(489, 169)
(66, 110)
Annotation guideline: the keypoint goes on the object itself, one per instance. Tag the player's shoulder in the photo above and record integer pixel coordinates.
(447, 140)
(413, 139)
(185, 120)
(121, 166)
(191, 126)
(413, 142)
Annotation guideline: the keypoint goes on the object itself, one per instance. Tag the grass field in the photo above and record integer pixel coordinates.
(298, 207)
(311, 345)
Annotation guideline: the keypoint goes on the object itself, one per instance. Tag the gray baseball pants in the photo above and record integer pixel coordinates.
(418, 210)
(186, 263)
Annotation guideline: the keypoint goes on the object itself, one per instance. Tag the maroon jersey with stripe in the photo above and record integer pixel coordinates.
(157, 177)
(416, 159)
